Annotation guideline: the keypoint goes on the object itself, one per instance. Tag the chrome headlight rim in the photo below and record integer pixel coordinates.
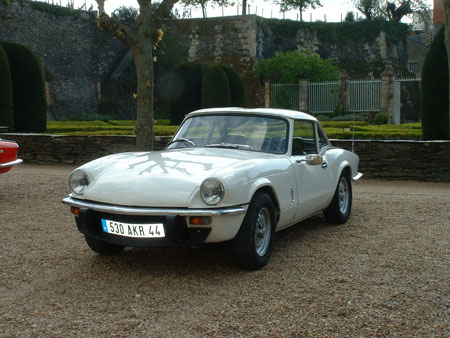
(78, 181)
(212, 191)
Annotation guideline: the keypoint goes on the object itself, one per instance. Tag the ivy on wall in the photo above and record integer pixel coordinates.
(339, 34)
(57, 11)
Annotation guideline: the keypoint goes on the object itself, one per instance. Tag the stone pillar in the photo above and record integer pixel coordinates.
(267, 95)
(303, 97)
(344, 96)
(387, 93)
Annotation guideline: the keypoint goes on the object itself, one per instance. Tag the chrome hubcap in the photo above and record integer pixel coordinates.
(262, 231)
(344, 196)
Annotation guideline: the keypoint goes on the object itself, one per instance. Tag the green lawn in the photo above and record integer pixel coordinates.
(334, 129)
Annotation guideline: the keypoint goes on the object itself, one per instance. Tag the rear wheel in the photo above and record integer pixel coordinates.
(253, 244)
(339, 210)
(102, 248)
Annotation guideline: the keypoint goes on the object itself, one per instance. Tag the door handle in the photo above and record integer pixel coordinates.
(324, 165)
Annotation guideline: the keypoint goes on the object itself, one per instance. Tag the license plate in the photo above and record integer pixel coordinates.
(154, 230)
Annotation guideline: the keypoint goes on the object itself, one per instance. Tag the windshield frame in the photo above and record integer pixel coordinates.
(231, 145)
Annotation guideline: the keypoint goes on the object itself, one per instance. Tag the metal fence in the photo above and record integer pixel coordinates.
(323, 97)
(285, 96)
(364, 95)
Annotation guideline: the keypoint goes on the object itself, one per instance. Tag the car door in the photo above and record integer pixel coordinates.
(313, 177)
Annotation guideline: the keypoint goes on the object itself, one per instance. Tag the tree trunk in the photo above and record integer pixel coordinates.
(204, 10)
(447, 45)
(143, 59)
(244, 7)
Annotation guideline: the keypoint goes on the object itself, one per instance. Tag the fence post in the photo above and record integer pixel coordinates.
(387, 93)
(303, 97)
(344, 96)
(267, 95)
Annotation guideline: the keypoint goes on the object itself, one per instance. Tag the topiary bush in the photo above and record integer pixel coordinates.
(237, 87)
(6, 100)
(185, 91)
(30, 107)
(215, 87)
(203, 85)
(434, 95)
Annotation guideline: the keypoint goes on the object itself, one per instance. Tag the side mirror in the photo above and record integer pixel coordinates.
(312, 160)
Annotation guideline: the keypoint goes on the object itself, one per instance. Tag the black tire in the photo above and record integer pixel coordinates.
(340, 208)
(253, 245)
(103, 248)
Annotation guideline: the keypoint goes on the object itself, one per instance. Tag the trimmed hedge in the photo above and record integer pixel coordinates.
(203, 85)
(215, 88)
(6, 99)
(237, 86)
(30, 107)
(185, 90)
(435, 95)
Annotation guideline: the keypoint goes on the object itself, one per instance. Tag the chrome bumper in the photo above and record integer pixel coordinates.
(10, 164)
(357, 177)
(141, 211)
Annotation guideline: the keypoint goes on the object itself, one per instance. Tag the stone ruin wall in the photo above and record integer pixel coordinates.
(81, 58)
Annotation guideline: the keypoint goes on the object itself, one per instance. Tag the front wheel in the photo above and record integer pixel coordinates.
(338, 212)
(253, 244)
(103, 248)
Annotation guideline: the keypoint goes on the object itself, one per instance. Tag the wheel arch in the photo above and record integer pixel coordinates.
(268, 190)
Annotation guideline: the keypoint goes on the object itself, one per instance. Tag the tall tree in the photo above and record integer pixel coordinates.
(142, 40)
(395, 10)
(369, 8)
(300, 5)
(204, 3)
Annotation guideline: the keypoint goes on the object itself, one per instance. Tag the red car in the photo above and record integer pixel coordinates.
(8, 155)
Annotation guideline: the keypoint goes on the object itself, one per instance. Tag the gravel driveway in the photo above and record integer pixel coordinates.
(384, 273)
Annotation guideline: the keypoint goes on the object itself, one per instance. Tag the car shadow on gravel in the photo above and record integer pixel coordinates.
(212, 258)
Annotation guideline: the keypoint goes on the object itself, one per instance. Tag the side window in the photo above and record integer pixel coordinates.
(323, 141)
(303, 142)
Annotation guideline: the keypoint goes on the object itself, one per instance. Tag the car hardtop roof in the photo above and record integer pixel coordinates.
(292, 114)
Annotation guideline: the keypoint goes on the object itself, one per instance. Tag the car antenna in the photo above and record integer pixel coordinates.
(353, 132)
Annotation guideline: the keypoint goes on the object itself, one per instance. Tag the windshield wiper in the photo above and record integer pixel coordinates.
(230, 146)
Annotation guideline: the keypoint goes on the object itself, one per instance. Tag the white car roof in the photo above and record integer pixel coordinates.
(292, 114)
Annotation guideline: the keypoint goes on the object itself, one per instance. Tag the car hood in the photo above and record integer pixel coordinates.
(157, 179)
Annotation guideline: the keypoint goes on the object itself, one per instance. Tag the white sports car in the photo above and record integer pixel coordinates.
(229, 174)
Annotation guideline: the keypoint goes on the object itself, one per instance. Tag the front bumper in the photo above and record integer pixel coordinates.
(178, 231)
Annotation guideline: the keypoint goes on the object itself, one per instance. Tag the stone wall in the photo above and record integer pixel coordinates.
(391, 160)
(71, 49)
(81, 58)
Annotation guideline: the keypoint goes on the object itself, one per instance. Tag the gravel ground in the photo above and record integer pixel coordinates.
(384, 273)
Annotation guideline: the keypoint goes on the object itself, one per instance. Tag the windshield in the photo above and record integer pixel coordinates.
(245, 132)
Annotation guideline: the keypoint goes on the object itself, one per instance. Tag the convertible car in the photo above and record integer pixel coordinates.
(8, 155)
(229, 174)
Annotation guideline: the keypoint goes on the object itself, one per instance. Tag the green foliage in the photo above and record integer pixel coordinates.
(334, 129)
(237, 87)
(381, 118)
(185, 91)
(348, 117)
(112, 127)
(290, 67)
(411, 131)
(108, 108)
(215, 87)
(6, 98)
(57, 11)
(435, 95)
(30, 107)
(203, 85)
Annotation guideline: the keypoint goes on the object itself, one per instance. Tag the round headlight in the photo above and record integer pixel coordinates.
(212, 191)
(78, 181)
